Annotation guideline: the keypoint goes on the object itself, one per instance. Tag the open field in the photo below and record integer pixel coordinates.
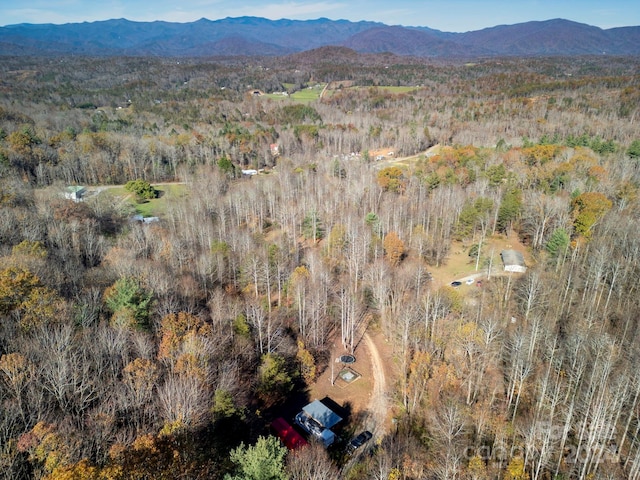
(156, 207)
(306, 95)
(460, 265)
(312, 93)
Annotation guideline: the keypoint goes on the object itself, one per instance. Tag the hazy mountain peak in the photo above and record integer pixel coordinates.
(246, 36)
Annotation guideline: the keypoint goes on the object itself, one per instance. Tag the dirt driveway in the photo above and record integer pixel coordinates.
(378, 402)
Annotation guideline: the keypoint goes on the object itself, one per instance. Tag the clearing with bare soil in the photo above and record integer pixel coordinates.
(368, 396)
(460, 266)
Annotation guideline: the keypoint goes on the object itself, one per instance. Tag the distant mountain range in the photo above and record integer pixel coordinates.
(258, 36)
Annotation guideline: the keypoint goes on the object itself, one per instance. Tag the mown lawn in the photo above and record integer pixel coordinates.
(306, 95)
(310, 94)
(156, 207)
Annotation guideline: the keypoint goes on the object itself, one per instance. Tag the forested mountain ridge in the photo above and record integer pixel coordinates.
(165, 348)
(246, 36)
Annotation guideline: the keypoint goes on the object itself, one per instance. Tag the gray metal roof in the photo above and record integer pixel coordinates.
(322, 414)
(512, 257)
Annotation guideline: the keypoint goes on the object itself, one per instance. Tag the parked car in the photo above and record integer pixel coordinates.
(469, 281)
(358, 441)
(456, 284)
(313, 428)
(309, 424)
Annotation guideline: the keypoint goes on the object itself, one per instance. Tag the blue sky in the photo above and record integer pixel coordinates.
(446, 15)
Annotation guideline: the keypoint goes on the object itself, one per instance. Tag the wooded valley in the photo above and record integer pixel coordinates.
(164, 348)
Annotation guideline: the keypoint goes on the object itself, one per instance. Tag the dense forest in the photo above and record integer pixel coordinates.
(163, 349)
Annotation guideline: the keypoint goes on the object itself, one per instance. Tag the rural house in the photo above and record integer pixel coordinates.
(74, 192)
(513, 261)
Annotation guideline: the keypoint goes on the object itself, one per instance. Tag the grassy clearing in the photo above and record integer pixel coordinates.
(310, 94)
(156, 207)
(459, 264)
(306, 95)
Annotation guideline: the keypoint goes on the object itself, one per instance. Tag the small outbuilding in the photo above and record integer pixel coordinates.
(145, 220)
(513, 261)
(75, 192)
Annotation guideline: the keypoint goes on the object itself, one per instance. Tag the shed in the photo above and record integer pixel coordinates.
(75, 192)
(142, 219)
(513, 261)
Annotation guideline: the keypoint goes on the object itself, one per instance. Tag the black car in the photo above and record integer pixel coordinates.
(456, 284)
(358, 441)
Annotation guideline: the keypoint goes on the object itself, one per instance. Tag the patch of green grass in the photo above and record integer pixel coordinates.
(158, 206)
(155, 207)
(308, 94)
(118, 191)
(147, 208)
